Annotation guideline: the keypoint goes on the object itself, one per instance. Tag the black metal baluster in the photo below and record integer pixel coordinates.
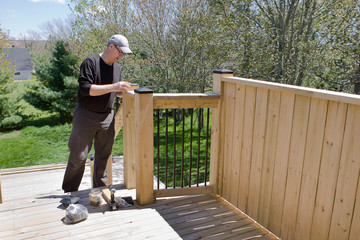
(198, 150)
(166, 148)
(207, 145)
(158, 148)
(182, 152)
(191, 130)
(174, 159)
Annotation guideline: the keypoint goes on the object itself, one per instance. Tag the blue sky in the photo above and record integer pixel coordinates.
(20, 16)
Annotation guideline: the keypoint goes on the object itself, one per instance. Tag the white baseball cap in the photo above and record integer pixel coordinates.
(122, 42)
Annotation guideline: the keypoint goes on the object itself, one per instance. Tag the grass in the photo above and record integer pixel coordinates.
(38, 145)
(43, 141)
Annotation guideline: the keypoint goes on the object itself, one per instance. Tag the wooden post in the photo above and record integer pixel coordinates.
(216, 133)
(118, 118)
(129, 141)
(144, 147)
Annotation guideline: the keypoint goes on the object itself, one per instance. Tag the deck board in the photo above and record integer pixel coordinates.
(31, 209)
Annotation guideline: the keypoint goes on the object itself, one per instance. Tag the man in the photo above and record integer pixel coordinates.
(93, 120)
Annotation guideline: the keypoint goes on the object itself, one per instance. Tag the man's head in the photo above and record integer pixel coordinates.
(121, 42)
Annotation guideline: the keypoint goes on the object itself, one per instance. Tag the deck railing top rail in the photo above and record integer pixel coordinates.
(305, 91)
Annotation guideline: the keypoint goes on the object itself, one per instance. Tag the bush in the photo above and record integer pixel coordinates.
(11, 122)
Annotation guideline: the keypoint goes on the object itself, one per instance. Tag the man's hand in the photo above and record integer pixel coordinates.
(97, 90)
(121, 86)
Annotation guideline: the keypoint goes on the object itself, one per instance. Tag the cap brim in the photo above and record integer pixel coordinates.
(126, 50)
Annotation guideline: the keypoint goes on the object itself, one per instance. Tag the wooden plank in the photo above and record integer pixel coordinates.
(309, 179)
(237, 143)
(246, 153)
(257, 152)
(209, 228)
(185, 100)
(183, 191)
(47, 167)
(221, 146)
(217, 134)
(294, 172)
(213, 211)
(303, 91)
(345, 198)
(355, 224)
(329, 168)
(144, 148)
(267, 173)
(228, 137)
(187, 215)
(129, 141)
(118, 124)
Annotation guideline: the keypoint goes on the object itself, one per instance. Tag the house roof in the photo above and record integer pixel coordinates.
(21, 58)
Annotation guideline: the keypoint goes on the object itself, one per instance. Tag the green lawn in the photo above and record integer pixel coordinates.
(43, 140)
(39, 145)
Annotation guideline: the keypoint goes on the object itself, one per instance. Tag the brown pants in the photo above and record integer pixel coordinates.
(87, 127)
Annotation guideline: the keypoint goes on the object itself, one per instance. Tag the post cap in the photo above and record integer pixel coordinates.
(143, 90)
(223, 71)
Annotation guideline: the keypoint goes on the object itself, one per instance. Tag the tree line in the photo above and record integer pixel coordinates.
(177, 44)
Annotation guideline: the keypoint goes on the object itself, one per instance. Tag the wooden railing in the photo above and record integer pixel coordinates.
(288, 156)
(138, 111)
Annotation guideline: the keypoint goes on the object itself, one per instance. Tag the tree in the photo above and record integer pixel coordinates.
(10, 117)
(338, 65)
(56, 91)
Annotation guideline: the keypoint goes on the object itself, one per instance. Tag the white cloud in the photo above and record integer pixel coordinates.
(11, 12)
(56, 1)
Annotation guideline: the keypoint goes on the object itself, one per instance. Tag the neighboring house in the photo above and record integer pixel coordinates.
(21, 60)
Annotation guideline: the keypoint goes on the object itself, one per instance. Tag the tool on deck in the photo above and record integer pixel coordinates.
(112, 204)
(116, 202)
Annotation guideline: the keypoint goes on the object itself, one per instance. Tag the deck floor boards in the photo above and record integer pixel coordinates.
(31, 209)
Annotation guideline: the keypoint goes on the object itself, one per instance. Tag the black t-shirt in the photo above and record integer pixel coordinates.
(94, 70)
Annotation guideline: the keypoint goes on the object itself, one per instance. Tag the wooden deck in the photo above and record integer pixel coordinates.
(31, 209)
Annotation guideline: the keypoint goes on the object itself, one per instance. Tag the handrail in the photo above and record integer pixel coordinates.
(305, 91)
(185, 100)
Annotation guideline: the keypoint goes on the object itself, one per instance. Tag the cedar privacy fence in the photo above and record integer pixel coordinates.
(287, 156)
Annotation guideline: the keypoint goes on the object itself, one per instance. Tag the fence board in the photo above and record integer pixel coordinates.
(237, 142)
(334, 133)
(315, 137)
(348, 176)
(355, 225)
(246, 153)
(228, 143)
(281, 160)
(296, 157)
(269, 156)
(257, 151)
